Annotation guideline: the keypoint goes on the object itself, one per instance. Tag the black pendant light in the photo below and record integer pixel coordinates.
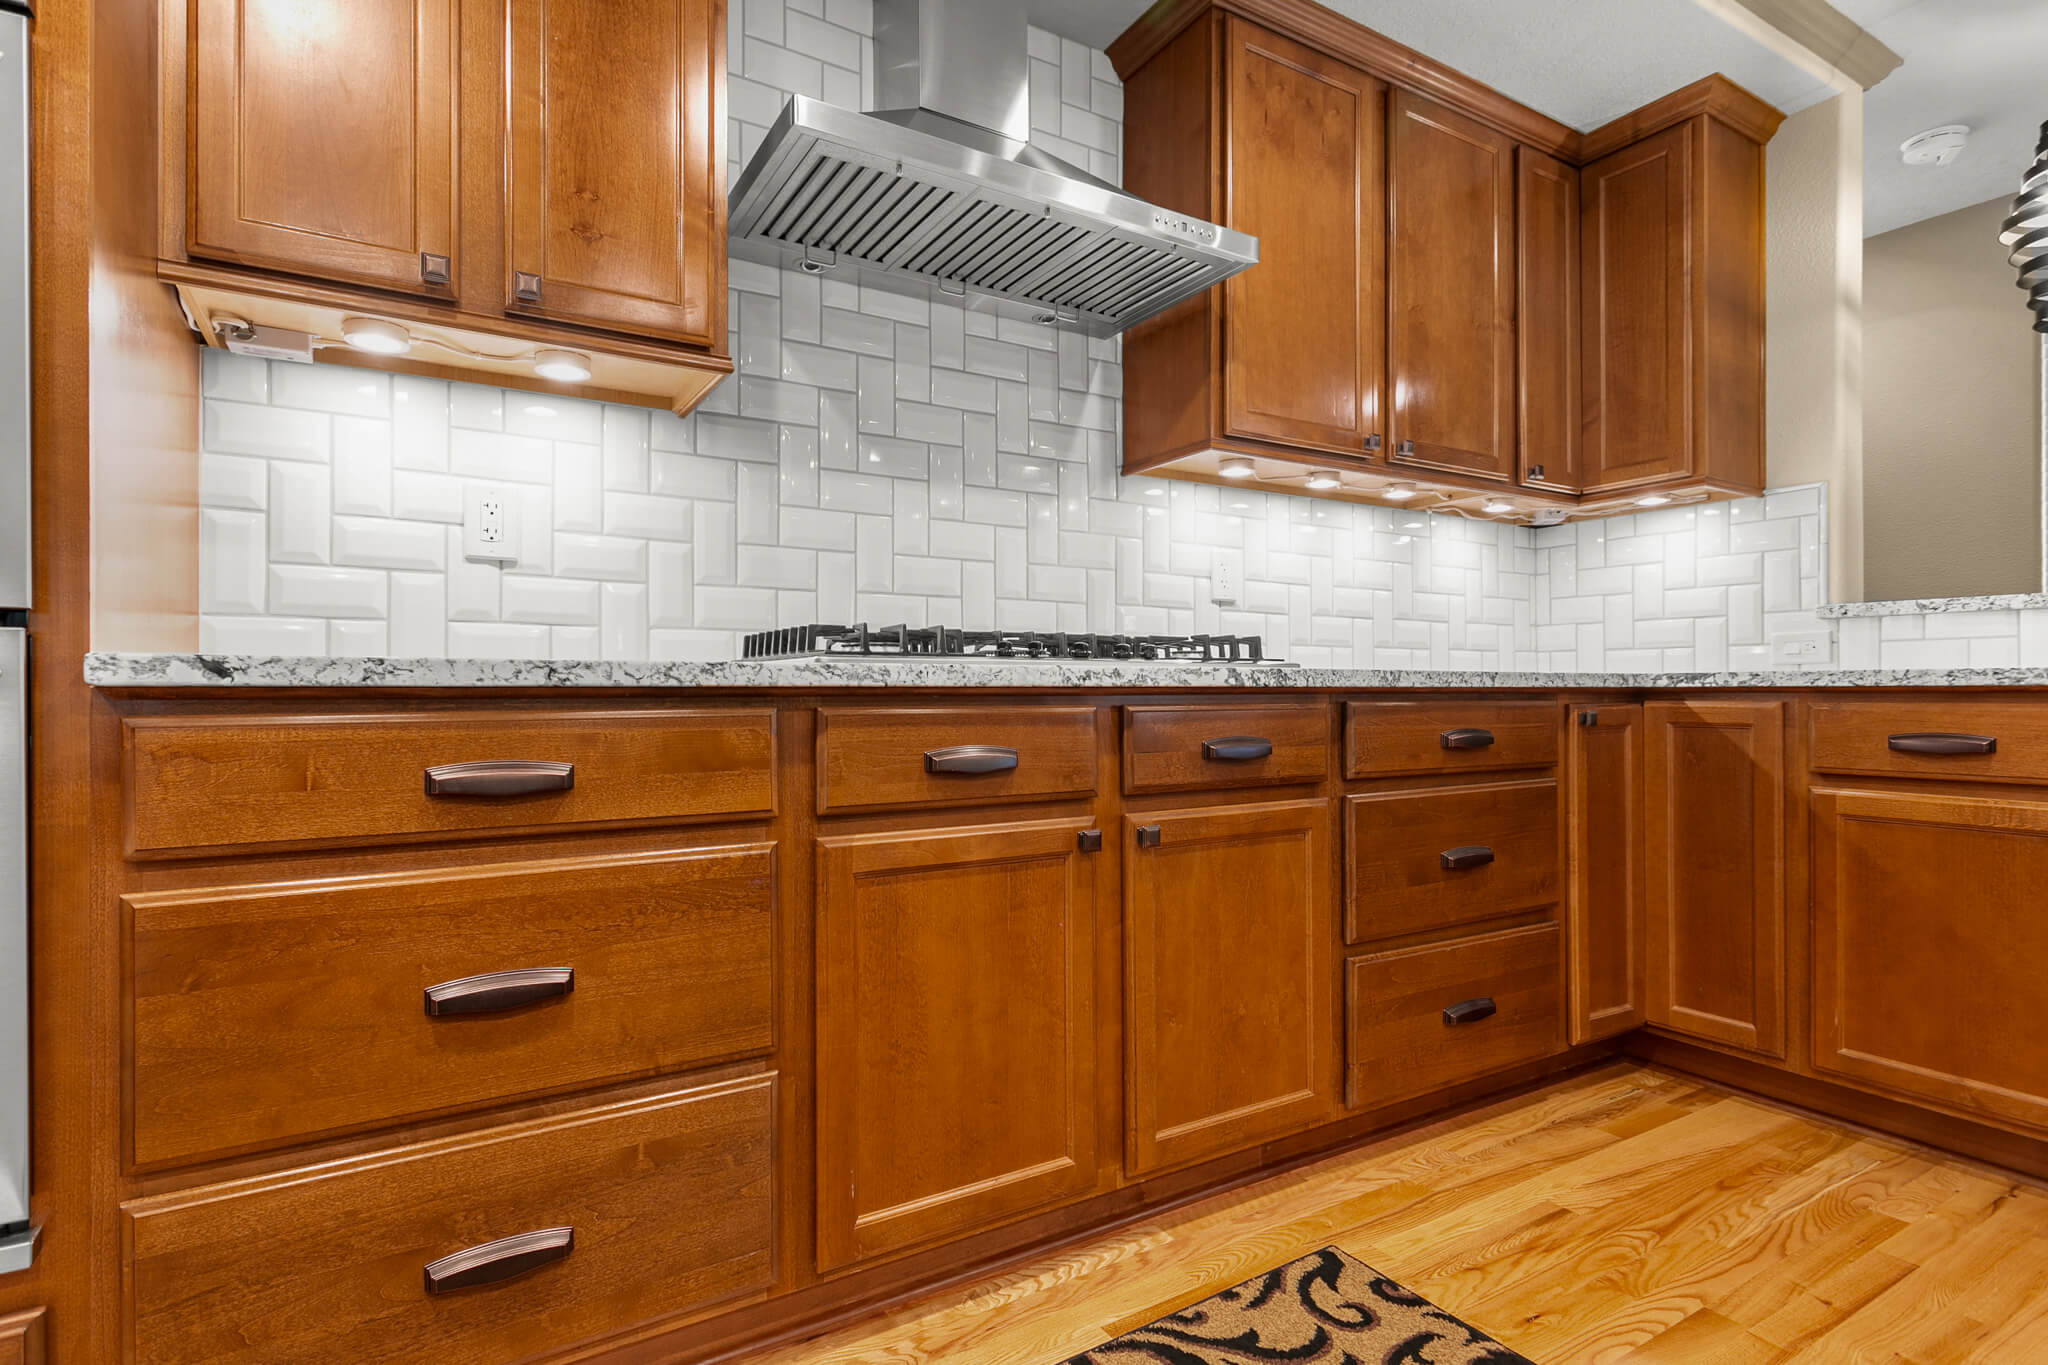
(2026, 232)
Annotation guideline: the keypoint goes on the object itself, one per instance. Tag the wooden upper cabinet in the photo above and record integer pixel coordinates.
(321, 138)
(1547, 320)
(1927, 948)
(1672, 281)
(1303, 343)
(1714, 775)
(1604, 842)
(1450, 291)
(615, 165)
(1635, 227)
(956, 1015)
(1229, 933)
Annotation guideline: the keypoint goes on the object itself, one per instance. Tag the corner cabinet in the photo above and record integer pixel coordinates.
(1457, 300)
(498, 177)
(1714, 826)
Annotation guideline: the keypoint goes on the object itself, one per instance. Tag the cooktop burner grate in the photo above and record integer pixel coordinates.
(863, 641)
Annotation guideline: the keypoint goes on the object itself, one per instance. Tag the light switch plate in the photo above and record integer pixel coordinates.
(490, 524)
(1802, 648)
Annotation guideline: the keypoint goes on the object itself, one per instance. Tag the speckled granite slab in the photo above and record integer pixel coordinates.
(1924, 606)
(250, 670)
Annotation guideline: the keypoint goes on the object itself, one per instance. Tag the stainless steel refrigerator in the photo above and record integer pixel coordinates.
(17, 1236)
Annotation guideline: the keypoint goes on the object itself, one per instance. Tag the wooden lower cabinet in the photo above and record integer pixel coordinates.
(21, 1338)
(1604, 858)
(1228, 938)
(632, 1212)
(1928, 945)
(957, 1014)
(1714, 808)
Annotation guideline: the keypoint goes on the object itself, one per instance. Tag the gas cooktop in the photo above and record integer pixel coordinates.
(865, 642)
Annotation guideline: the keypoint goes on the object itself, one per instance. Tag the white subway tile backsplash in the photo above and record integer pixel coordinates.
(550, 601)
(232, 561)
(234, 481)
(387, 543)
(318, 590)
(331, 388)
(274, 433)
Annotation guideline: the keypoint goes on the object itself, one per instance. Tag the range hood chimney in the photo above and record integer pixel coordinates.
(942, 185)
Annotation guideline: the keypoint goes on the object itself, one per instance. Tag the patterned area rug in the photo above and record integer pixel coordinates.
(1324, 1309)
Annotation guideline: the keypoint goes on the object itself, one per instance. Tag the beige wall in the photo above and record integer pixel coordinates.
(1951, 413)
(1813, 428)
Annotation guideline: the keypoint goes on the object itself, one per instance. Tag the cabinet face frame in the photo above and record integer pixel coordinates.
(849, 1231)
(1248, 317)
(1674, 800)
(221, 223)
(1547, 323)
(693, 311)
(1150, 1143)
(1834, 1048)
(1481, 374)
(1605, 884)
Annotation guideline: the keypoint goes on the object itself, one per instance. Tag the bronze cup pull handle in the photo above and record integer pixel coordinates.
(1465, 856)
(1942, 744)
(1237, 749)
(1469, 1011)
(970, 758)
(1466, 737)
(500, 777)
(495, 1262)
(494, 991)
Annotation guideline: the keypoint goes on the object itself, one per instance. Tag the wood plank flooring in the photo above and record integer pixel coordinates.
(1626, 1215)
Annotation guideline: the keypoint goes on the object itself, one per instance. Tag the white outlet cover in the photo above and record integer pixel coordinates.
(1799, 648)
(1226, 577)
(490, 524)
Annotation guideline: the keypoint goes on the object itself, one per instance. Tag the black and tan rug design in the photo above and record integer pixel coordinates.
(1324, 1309)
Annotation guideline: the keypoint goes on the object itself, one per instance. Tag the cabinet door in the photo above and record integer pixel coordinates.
(1715, 832)
(1928, 947)
(1304, 345)
(1635, 245)
(321, 138)
(1604, 805)
(1547, 321)
(956, 1032)
(1228, 936)
(1450, 291)
(615, 165)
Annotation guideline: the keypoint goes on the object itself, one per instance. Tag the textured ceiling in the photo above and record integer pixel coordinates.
(1582, 62)
(1979, 62)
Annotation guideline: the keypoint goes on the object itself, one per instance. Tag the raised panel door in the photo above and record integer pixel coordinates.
(956, 1031)
(1715, 870)
(615, 165)
(321, 141)
(1304, 341)
(1547, 320)
(1450, 290)
(1604, 838)
(1228, 936)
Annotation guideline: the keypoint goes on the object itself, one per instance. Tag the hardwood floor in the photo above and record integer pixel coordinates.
(1626, 1215)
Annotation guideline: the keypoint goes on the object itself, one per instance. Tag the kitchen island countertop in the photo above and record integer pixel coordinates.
(204, 671)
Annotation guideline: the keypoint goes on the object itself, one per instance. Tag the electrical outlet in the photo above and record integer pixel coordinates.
(1795, 648)
(490, 525)
(1226, 577)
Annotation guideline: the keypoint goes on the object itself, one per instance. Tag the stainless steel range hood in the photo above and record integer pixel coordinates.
(945, 188)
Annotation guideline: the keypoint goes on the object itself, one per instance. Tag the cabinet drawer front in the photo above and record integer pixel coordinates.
(1402, 1043)
(275, 1013)
(1450, 855)
(1386, 738)
(1189, 748)
(953, 756)
(203, 784)
(1928, 948)
(1971, 741)
(669, 1202)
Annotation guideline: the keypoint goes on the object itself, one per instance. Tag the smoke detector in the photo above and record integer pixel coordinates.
(1936, 146)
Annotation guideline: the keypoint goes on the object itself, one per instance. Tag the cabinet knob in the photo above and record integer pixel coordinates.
(1148, 836)
(1469, 1011)
(1372, 442)
(1589, 718)
(1535, 471)
(494, 1262)
(433, 268)
(1089, 841)
(1406, 447)
(525, 287)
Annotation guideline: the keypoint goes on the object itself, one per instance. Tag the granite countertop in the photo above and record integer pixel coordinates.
(250, 670)
(1933, 606)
